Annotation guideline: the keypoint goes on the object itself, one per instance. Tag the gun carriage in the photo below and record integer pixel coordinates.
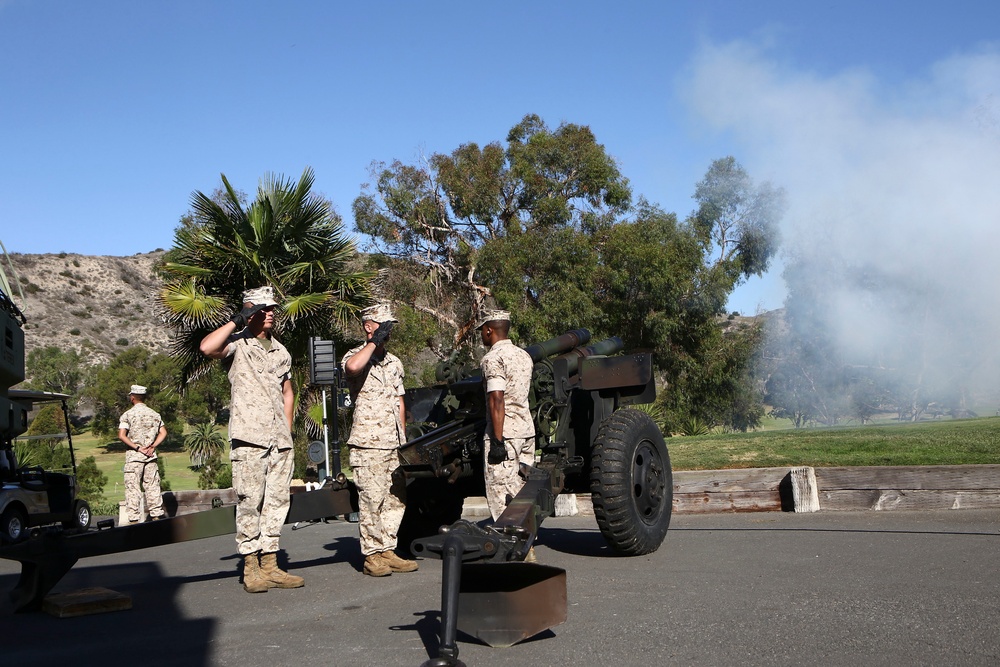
(588, 441)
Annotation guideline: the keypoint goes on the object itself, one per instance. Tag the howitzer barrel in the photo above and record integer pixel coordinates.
(558, 345)
(605, 347)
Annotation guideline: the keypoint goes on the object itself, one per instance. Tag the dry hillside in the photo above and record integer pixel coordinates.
(97, 305)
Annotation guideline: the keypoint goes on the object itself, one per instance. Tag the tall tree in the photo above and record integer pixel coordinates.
(53, 369)
(289, 238)
(442, 212)
(108, 388)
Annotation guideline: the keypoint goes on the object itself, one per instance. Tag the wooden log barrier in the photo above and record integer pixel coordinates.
(738, 490)
(909, 487)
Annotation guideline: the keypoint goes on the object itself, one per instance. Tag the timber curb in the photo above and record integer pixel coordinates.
(810, 489)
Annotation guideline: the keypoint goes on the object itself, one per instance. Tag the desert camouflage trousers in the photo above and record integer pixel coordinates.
(503, 479)
(142, 478)
(261, 478)
(381, 497)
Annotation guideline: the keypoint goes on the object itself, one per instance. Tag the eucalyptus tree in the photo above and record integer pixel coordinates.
(443, 211)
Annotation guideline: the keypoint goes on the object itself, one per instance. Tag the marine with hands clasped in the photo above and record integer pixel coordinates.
(375, 381)
(509, 440)
(141, 429)
(260, 429)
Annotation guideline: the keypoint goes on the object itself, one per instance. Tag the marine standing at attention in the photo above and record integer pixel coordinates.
(142, 431)
(510, 432)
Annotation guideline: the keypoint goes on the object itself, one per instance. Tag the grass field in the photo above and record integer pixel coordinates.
(110, 456)
(946, 442)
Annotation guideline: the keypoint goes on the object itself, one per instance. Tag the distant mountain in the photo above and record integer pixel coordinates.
(96, 305)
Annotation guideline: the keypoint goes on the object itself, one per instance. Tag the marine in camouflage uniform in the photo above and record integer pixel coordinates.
(260, 418)
(142, 431)
(375, 380)
(509, 440)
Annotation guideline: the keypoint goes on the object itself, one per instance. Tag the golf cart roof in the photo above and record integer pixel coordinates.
(36, 396)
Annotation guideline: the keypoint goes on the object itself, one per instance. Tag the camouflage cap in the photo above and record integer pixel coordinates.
(137, 389)
(260, 296)
(380, 312)
(493, 316)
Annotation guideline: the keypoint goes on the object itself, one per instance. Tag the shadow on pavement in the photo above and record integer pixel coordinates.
(154, 632)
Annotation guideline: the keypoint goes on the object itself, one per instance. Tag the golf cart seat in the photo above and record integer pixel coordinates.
(33, 479)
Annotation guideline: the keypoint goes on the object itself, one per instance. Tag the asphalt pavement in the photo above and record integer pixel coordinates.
(844, 588)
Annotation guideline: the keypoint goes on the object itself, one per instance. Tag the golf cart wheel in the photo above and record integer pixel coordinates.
(631, 483)
(81, 517)
(14, 524)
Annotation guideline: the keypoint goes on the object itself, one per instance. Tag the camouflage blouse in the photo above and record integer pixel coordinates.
(142, 423)
(375, 396)
(257, 406)
(507, 368)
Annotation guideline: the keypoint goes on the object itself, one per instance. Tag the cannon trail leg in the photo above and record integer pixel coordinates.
(451, 575)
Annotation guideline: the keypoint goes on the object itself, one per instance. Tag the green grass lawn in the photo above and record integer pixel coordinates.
(946, 442)
(110, 456)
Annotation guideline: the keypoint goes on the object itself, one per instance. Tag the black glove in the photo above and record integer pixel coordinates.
(241, 318)
(381, 334)
(498, 450)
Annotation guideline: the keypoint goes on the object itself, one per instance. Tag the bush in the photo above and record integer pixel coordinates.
(161, 467)
(91, 481)
(104, 508)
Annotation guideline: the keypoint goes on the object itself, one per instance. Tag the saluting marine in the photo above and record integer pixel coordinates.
(375, 380)
(260, 427)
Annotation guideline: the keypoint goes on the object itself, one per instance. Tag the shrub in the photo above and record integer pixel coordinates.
(91, 481)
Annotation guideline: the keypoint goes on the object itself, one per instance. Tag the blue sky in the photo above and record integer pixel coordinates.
(114, 112)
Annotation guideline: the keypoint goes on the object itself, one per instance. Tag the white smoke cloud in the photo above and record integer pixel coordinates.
(903, 177)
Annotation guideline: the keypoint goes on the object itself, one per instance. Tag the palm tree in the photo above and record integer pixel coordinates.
(203, 443)
(288, 238)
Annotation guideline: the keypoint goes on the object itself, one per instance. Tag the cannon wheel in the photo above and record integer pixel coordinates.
(632, 483)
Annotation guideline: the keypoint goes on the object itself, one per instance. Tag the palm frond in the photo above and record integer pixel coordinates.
(189, 303)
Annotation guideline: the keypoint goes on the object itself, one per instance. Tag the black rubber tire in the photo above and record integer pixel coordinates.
(14, 524)
(81, 517)
(631, 483)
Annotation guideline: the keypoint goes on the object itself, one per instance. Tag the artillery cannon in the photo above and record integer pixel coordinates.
(588, 441)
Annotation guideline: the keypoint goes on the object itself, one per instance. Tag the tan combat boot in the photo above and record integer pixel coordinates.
(253, 579)
(275, 576)
(397, 564)
(376, 567)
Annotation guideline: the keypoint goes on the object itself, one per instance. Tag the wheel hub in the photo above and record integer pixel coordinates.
(648, 481)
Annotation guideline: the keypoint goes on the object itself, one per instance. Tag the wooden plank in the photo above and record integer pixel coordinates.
(910, 477)
(911, 499)
(736, 480)
(86, 601)
(737, 501)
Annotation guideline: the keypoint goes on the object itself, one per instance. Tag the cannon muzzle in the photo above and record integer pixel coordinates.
(558, 345)
(604, 348)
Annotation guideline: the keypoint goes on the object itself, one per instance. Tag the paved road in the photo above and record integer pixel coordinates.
(884, 588)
